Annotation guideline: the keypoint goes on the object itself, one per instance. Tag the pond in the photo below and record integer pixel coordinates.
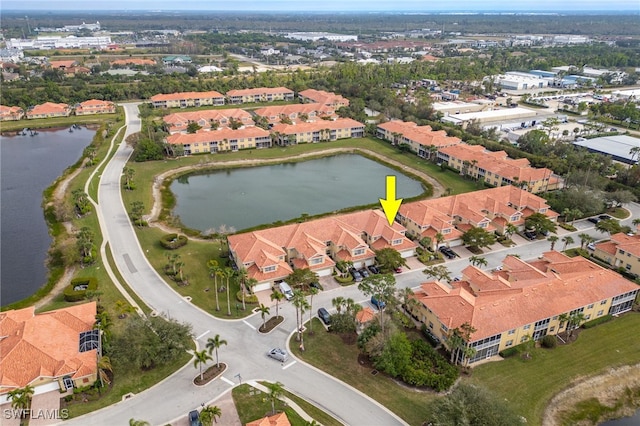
(246, 197)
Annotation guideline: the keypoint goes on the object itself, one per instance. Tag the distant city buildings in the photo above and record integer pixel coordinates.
(316, 36)
(59, 42)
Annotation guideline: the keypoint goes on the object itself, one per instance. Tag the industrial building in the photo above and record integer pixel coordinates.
(617, 147)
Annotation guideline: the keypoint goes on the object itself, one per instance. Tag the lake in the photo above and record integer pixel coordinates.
(28, 165)
(246, 197)
(625, 421)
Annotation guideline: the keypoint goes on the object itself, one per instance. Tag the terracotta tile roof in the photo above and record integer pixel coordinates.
(279, 419)
(522, 293)
(186, 95)
(326, 98)
(8, 111)
(260, 91)
(44, 345)
(134, 61)
(314, 111)
(180, 120)
(216, 135)
(422, 135)
(365, 315)
(316, 126)
(62, 64)
(628, 243)
(49, 108)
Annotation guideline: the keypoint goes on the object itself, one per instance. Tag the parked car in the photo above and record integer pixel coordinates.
(279, 354)
(374, 269)
(398, 270)
(364, 272)
(323, 314)
(194, 418)
(604, 217)
(286, 290)
(594, 220)
(530, 235)
(316, 285)
(356, 275)
(378, 303)
(591, 246)
(447, 252)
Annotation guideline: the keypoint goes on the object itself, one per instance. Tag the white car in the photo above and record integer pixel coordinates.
(591, 246)
(279, 354)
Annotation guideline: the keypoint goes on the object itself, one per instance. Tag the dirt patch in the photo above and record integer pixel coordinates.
(608, 388)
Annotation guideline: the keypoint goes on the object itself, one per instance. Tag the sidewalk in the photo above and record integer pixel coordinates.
(289, 402)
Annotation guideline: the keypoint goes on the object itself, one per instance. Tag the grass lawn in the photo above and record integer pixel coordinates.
(327, 352)
(43, 123)
(253, 404)
(529, 385)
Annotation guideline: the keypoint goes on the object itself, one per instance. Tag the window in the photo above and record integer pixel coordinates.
(526, 327)
(512, 332)
(600, 313)
(523, 339)
(590, 306)
(358, 251)
(552, 329)
(430, 325)
(269, 268)
(509, 343)
(604, 302)
(588, 317)
(316, 261)
(444, 327)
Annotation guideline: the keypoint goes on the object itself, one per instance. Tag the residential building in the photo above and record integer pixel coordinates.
(187, 99)
(133, 61)
(61, 65)
(207, 119)
(423, 141)
(447, 218)
(495, 168)
(621, 251)
(95, 106)
(224, 139)
(10, 113)
(279, 419)
(59, 346)
(271, 254)
(176, 60)
(317, 131)
(322, 97)
(526, 299)
(49, 109)
(294, 112)
(261, 94)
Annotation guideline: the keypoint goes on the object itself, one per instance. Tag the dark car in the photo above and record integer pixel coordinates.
(374, 269)
(594, 220)
(364, 272)
(323, 314)
(357, 277)
(604, 217)
(450, 254)
(530, 235)
(194, 418)
(316, 285)
(378, 303)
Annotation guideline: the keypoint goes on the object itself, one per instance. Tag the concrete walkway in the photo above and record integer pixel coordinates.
(289, 402)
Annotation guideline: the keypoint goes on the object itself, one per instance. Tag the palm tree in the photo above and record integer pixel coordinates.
(301, 306)
(574, 321)
(21, 398)
(510, 229)
(123, 308)
(634, 152)
(636, 221)
(210, 414)
(277, 296)
(562, 318)
(574, 214)
(134, 422)
(201, 359)
(213, 344)
(228, 273)
(553, 239)
(241, 276)
(275, 392)
(312, 292)
(214, 270)
(338, 303)
(104, 366)
(103, 323)
(478, 260)
(584, 239)
(264, 310)
(566, 240)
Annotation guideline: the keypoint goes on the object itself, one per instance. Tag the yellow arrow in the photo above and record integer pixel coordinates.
(390, 205)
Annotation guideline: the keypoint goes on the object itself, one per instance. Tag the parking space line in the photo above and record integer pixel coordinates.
(202, 335)
(248, 324)
(289, 365)
(227, 380)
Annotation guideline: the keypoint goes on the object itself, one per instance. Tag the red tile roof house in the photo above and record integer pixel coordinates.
(10, 113)
(178, 121)
(279, 419)
(94, 106)
(133, 61)
(313, 112)
(62, 65)
(187, 99)
(317, 131)
(272, 254)
(524, 299)
(52, 347)
(49, 109)
(621, 251)
(260, 94)
(224, 139)
(491, 209)
(322, 97)
(423, 141)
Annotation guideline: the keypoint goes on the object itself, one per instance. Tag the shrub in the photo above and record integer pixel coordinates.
(173, 241)
(344, 280)
(248, 298)
(509, 352)
(597, 321)
(549, 341)
(77, 289)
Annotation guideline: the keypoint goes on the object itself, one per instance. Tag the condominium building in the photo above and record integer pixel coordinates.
(272, 254)
(423, 140)
(526, 299)
(94, 106)
(621, 251)
(224, 139)
(187, 99)
(49, 109)
(260, 94)
(322, 97)
(317, 131)
(207, 119)
(296, 112)
(10, 113)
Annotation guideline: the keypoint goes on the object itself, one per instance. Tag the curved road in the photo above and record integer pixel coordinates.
(245, 353)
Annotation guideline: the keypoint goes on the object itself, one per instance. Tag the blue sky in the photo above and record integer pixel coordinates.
(326, 5)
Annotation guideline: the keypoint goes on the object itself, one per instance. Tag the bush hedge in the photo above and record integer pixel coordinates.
(597, 321)
(346, 280)
(509, 352)
(549, 341)
(251, 299)
(173, 241)
(77, 290)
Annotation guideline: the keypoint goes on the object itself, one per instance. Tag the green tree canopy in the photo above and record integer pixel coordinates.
(301, 278)
(478, 237)
(389, 259)
(540, 223)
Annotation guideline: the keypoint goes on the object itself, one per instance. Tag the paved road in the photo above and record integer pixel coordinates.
(245, 353)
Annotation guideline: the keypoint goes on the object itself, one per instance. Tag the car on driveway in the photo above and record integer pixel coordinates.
(398, 270)
(374, 269)
(357, 277)
(530, 235)
(364, 272)
(323, 314)
(450, 254)
(279, 354)
(316, 285)
(194, 418)
(591, 246)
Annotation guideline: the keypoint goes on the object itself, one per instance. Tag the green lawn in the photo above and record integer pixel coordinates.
(253, 404)
(42, 123)
(529, 385)
(327, 352)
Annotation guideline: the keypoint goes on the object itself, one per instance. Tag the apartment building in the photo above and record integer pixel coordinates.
(10, 113)
(322, 97)
(423, 140)
(134, 62)
(621, 251)
(260, 94)
(526, 299)
(224, 139)
(49, 109)
(317, 131)
(271, 254)
(207, 119)
(94, 106)
(296, 112)
(497, 169)
(445, 219)
(59, 346)
(187, 99)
